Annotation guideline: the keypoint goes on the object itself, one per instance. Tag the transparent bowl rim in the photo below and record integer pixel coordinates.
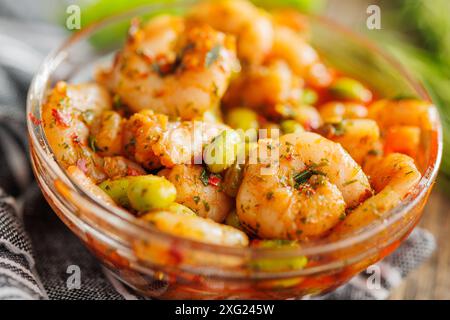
(141, 229)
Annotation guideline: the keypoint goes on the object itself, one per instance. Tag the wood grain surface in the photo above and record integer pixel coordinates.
(432, 279)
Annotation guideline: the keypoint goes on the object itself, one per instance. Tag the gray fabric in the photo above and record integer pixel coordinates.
(36, 248)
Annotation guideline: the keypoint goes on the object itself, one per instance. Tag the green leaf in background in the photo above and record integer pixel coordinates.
(93, 11)
(100, 9)
(307, 6)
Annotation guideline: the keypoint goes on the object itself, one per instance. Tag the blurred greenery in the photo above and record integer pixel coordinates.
(94, 11)
(418, 34)
(98, 9)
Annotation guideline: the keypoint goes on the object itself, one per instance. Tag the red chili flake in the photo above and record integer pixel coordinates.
(214, 180)
(35, 120)
(82, 165)
(75, 138)
(308, 126)
(60, 118)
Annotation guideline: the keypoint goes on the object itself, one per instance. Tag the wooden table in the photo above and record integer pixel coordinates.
(432, 279)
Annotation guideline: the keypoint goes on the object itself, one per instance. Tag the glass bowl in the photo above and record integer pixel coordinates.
(159, 265)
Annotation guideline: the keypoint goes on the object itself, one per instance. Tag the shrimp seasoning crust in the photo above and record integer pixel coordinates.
(225, 126)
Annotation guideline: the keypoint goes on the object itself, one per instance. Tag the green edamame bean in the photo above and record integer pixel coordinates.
(242, 118)
(293, 263)
(232, 179)
(291, 126)
(309, 97)
(150, 192)
(221, 153)
(350, 89)
(117, 190)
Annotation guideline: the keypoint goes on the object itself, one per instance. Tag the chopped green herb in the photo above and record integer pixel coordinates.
(92, 143)
(204, 177)
(404, 97)
(215, 89)
(339, 129)
(88, 116)
(305, 175)
(196, 199)
(206, 205)
(374, 152)
(117, 102)
(347, 183)
(269, 195)
(156, 67)
(212, 55)
(131, 143)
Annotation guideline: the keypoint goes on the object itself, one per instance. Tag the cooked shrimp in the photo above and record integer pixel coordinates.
(308, 194)
(274, 91)
(66, 116)
(336, 163)
(292, 19)
(262, 87)
(395, 170)
(358, 137)
(183, 142)
(284, 205)
(208, 201)
(171, 68)
(292, 48)
(303, 60)
(89, 186)
(393, 178)
(197, 228)
(307, 116)
(154, 141)
(252, 26)
(106, 133)
(141, 131)
(338, 111)
(389, 113)
(119, 167)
